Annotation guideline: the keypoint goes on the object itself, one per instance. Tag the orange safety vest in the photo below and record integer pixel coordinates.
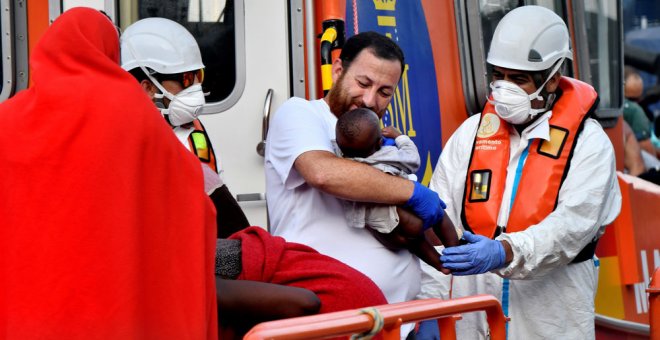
(544, 170)
(200, 145)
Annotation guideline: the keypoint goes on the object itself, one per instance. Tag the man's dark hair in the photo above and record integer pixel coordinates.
(380, 45)
(140, 76)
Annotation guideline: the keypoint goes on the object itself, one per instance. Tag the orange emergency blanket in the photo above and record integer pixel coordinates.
(105, 229)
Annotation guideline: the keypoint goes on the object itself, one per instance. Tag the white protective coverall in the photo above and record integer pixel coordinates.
(549, 297)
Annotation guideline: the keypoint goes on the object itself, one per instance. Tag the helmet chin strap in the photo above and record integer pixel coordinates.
(164, 92)
(551, 96)
(536, 93)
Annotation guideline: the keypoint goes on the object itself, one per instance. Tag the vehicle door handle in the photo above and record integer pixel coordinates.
(252, 197)
(261, 147)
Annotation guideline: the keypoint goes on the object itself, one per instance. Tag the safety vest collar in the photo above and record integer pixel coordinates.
(200, 144)
(540, 128)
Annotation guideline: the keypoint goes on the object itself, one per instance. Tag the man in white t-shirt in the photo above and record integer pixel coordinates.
(306, 181)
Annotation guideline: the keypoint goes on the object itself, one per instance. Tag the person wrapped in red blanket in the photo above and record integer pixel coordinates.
(105, 229)
(281, 279)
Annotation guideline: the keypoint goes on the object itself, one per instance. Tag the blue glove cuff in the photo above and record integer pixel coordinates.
(426, 204)
(388, 141)
(419, 193)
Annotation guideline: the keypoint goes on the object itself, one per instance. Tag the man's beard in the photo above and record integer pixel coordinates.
(338, 100)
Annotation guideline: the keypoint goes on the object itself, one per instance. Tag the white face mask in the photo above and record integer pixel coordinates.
(185, 106)
(513, 104)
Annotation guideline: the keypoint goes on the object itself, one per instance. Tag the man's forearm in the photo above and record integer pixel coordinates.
(351, 180)
(263, 301)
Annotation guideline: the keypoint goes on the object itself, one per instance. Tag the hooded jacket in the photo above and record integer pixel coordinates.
(105, 229)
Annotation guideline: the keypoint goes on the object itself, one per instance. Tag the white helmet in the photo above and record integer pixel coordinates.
(529, 38)
(161, 45)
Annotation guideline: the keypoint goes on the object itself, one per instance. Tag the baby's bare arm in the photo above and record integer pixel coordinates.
(446, 232)
(391, 132)
(409, 234)
(411, 228)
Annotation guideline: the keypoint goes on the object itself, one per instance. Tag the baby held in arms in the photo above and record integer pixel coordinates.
(360, 138)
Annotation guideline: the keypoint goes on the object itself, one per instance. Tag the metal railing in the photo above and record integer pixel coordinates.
(385, 319)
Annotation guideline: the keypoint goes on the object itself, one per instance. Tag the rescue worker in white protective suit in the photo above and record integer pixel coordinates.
(165, 58)
(541, 186)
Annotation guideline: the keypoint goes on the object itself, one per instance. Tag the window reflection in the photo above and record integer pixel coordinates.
(641, 28)
(212, 24)
(604, 46)
(96, 4)
(492, 11)
(206, 11)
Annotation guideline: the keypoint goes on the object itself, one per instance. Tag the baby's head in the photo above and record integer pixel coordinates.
(358, 133)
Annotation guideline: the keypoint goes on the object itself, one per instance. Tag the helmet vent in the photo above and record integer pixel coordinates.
(534, 56)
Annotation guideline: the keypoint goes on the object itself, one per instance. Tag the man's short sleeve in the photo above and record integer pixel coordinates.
(297, 127)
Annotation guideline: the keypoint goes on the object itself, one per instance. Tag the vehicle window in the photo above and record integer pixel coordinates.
(602, 29)
(212, 22)
(601, 37)
(492, 11)
(96, 4)
(480, 34)
(641, 28)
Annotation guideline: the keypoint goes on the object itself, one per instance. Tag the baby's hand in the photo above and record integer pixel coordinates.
(391, 132)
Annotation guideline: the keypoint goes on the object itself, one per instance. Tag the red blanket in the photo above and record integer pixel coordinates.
(268, 258)
(105, 229)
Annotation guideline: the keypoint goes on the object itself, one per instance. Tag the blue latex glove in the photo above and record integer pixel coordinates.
(480, 255)
(427, 205)
(388, 141)
(428, 330)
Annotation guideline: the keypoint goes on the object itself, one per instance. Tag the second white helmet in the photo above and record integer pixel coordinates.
(529, 38)
(161, 45)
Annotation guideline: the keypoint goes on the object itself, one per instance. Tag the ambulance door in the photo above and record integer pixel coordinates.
(235, 123)
(244, 48)
(262, 85)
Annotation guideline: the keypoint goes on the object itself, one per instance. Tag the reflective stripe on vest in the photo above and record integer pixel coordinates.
(544, 170)
(200, 145)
